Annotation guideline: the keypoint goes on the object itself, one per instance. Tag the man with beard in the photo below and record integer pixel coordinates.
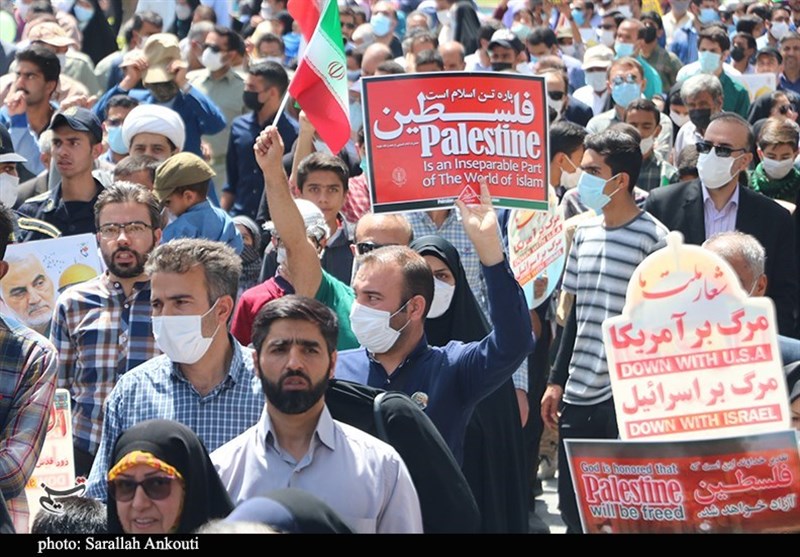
(29, 292)
(297, 443)
(205, 378)
(102, 327)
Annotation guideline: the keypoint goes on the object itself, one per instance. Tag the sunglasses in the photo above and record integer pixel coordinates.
(213, 48)
(704, 147)
(784, 110)
(366, 247)
(156, 488)
(556, 95)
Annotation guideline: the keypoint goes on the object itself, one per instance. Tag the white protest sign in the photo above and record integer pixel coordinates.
(692, 356)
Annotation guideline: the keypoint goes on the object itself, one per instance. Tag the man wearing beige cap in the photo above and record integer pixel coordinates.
(181, 185)
(163, 74)
(595, 93)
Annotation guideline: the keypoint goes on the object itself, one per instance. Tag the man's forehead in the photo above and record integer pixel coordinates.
(725, 133)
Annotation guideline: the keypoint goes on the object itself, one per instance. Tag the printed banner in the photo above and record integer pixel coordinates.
(430, 138)
(39, 271)
(54, 475)
(757, 84)
(537, 250)
(692, 356)
(735, 485)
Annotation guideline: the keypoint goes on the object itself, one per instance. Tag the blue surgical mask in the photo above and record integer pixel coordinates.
(590, 191)
(381, 24)
(534, 60)
(577, 15)
(623, 49)
(709, 61)
(115, 141)
(82, 14)
(625, 93)
(521, 30)
(708, 15)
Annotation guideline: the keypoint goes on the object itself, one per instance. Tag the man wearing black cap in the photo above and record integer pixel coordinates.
(77, 142)
(505, 51)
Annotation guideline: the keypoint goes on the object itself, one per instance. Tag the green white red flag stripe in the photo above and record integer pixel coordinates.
(320, 82)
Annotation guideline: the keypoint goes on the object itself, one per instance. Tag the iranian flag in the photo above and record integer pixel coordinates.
(320, 82)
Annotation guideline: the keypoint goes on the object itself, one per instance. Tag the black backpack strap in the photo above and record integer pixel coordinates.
(380, 425)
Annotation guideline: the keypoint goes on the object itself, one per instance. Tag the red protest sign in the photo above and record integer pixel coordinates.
(429, 137)
(734, 485)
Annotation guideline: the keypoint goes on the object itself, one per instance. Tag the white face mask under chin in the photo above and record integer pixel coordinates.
(442, 298)
(9, 185)
(181, 338)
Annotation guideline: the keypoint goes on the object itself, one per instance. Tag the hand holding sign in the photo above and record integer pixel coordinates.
(480, 224)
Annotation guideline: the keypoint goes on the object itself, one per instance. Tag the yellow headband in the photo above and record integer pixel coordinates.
(140, 457)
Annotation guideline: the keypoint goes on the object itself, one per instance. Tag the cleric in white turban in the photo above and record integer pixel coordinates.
(154, 130)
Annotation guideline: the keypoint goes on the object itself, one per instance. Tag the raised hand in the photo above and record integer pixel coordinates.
(480, 224)
(268, 149)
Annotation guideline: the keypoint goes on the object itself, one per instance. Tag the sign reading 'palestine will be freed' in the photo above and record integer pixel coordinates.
(430, 138)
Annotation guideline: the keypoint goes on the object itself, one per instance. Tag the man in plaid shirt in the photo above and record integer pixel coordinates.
(27, 383)
(102, 327)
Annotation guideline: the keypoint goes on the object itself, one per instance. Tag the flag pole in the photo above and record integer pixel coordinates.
(281, 108)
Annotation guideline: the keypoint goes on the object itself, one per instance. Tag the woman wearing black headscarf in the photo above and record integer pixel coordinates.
(494, 460)
(466, 26)
(184, 10)
(162, 481)
(99, 39)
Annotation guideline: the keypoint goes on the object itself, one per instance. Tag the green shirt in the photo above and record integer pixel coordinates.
(339, 297)
(734, 97)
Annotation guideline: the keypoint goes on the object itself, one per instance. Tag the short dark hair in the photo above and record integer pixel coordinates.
(654, 17)
(322, 161)
(645, 105)
(79, 515)
(566, 137)
(616, 15)
(120, 101)
(136, 163)
(429, 57)
(6, 228)
(127, 192)
(390, 67)
(417, 274)
(43, 58)
(488, 29)
(751, 40)
(715, 34)
(147, 16)
(619, 145)
(200, 188)
(686, 163)
(748, 23)
(542, 34)
(299, 308)
(40, 7)
(733, 117)
(235, 41)
(273, 73)
(272, 38)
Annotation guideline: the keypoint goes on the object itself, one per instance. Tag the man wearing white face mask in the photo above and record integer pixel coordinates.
(9, 176)
(595, 93)
(717, 202)
(223, 85)
(205, 379)
(646, 118)
(777, 27)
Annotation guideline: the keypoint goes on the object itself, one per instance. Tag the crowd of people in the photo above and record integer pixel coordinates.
(247, 278)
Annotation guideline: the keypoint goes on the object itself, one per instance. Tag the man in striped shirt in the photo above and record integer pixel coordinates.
(102, 327)
(605, 251)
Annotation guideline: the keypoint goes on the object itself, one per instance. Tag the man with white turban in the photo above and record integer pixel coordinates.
(154, 130)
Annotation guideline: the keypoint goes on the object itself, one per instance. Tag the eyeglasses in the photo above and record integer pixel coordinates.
(785, 109)
(156, 488)
(704, 147)
(111, 230)
(366, 247)
(619, 80)
(556, 95)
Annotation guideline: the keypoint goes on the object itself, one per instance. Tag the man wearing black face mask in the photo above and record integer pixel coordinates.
(665, 63)
(744, 47)
(163, 74)
(264, 87)
(702, 95)
(505, 51)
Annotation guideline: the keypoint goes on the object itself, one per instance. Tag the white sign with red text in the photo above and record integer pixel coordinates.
(692, 356)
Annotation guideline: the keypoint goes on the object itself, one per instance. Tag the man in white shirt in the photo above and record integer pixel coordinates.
(296, 442)
(595, 93)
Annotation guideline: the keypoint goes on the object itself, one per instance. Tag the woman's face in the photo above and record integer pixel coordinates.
(144, 515)
(440, 270)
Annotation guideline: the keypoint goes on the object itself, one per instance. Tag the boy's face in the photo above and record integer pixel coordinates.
(178, 202)
(324, 189)
(779, 152)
